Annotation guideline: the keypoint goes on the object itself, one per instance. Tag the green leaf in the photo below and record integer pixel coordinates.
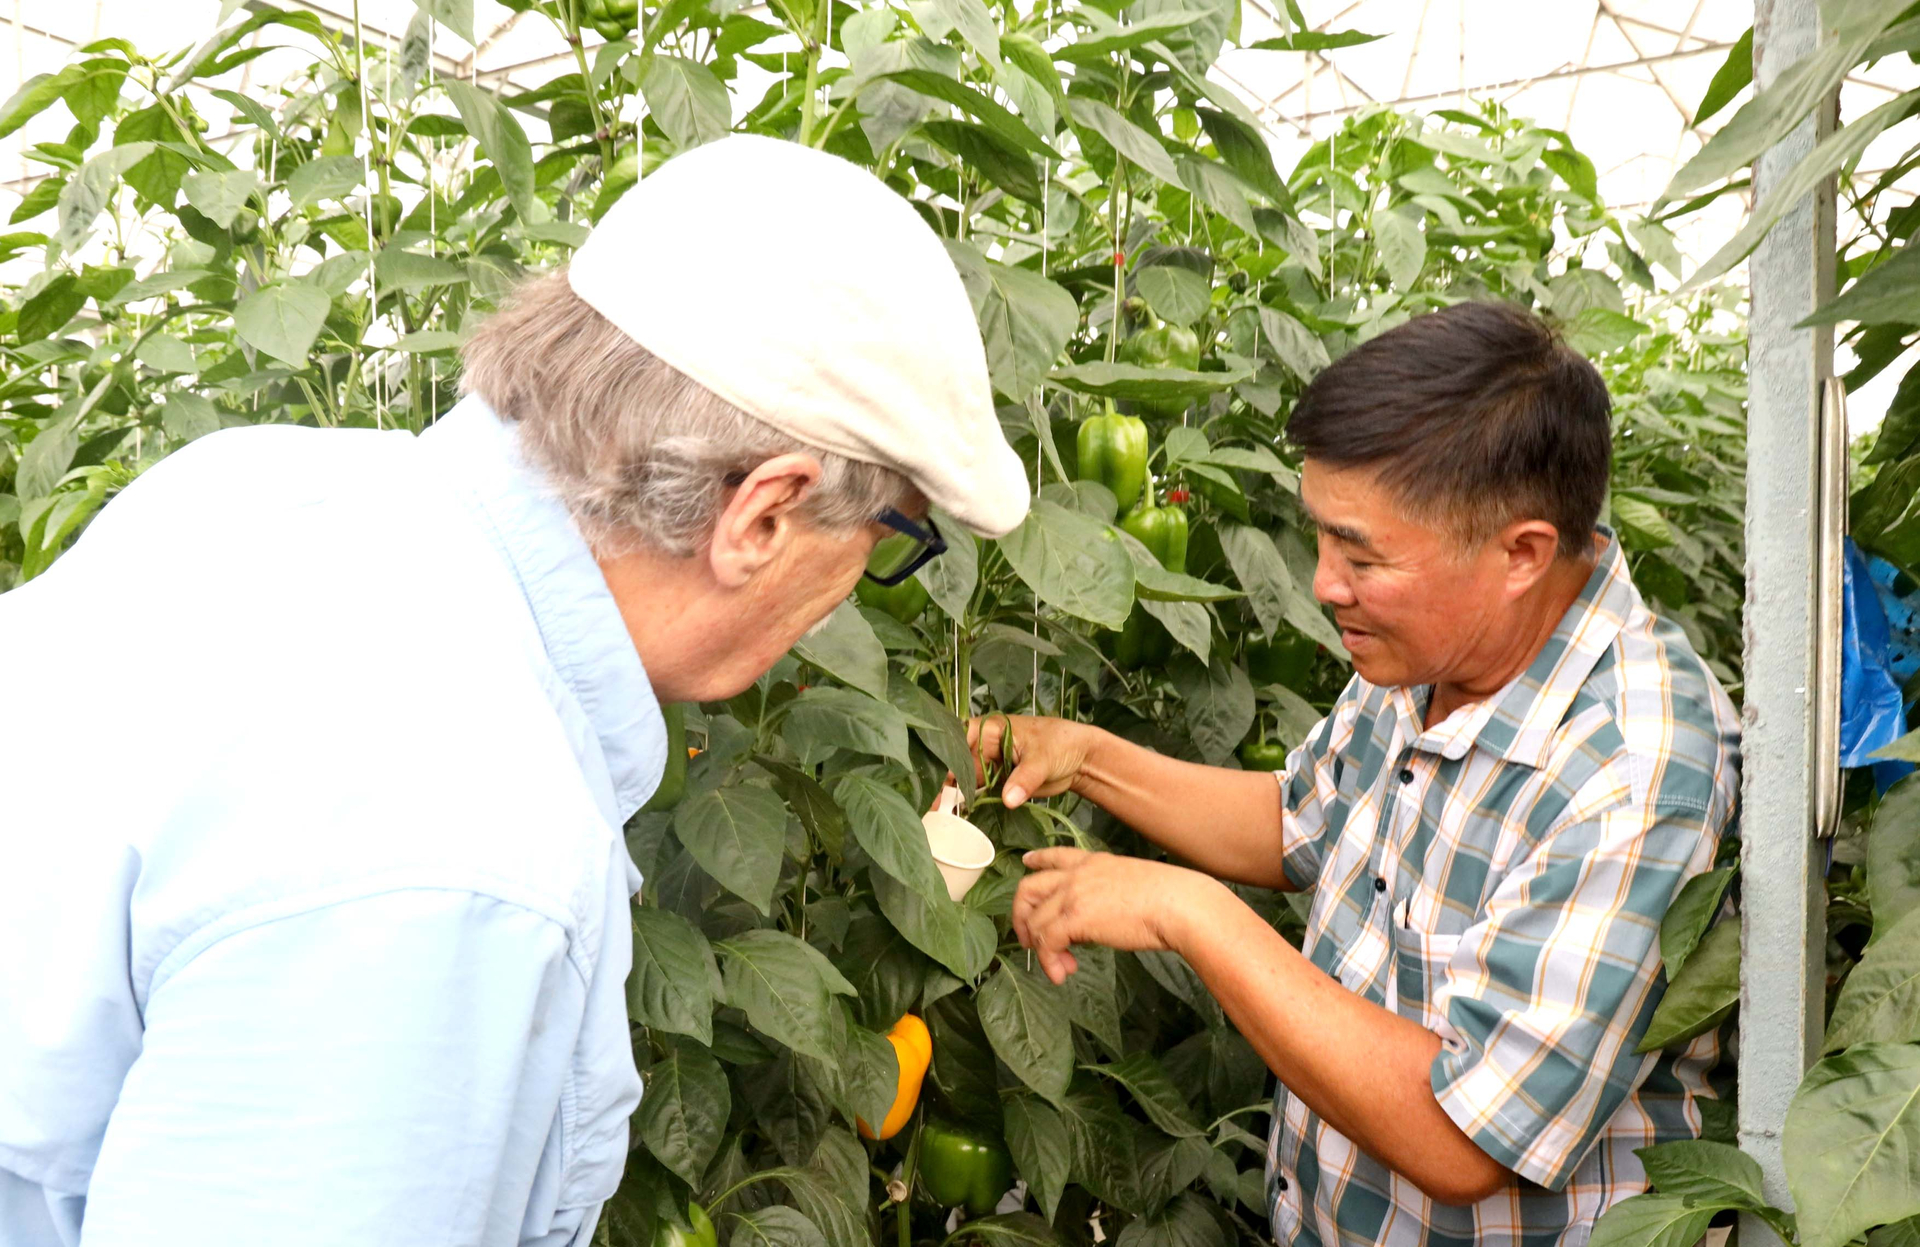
(1884, 294)
(1734, 75)
(1175, 294)
(1025, 320)
(683, 1114)
(843, 645)
(809, 803)
(738, 835)
(324, 177)
(1880, 1001)
(47, 457)
(34, 97)
(1141, 1074)
(686, 100)
(1025, 1017)
(1042, 1152)
(1219, 705)
(1598, 330)
(1576, 290)
(975, 105)
(939, 729)
(1093, 49)
(187, 415)
(1906, 749)
(1691, 913)
(1314, 41)
(1073, 562)
(1243, 150)
(1186, 1222)
(956, 937)
(457, 16)
(1004, 164)
(1007, 1229)
(166, 353)
(427, 341)
(1900, 1234)
(1852, 1143)
(975, 24)
(1643, 519)
(50, 308)
(1187, 622)
(1219, 190)
(1651, 1221)
(1137, 384)
(786, 987)
(1839, 148)
(891, 833)
(255, 113)
(282, 320)
(822, 719)
(775, 1226)
(394, 269)
(88, 192)
(1294, 345)
(950, 578)
(1257, 565)
(1194, 47)
(1706, 1173)
(1403, 248)
(501, 140)
(1140, 149)
(1702, 995)
(1658, 242)
(219, 195)
(671, 987)
(1893, 857)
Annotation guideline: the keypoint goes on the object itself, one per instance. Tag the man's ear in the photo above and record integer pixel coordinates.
(1531, 546)
(757, 524)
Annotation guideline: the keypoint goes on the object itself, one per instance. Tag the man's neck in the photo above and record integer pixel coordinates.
(1537, 616)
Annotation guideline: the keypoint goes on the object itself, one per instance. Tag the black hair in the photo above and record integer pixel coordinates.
(1475, 415)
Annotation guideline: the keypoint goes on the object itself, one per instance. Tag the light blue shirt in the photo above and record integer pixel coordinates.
(313, 894)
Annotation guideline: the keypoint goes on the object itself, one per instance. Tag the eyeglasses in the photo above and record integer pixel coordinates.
(894, 558)
(911, 546)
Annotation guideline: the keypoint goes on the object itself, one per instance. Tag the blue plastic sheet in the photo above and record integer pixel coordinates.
(1881, 637)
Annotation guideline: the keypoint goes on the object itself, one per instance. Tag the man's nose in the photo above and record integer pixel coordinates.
(1330, 587)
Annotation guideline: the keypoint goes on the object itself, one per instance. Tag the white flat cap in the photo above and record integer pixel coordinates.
(798, 287)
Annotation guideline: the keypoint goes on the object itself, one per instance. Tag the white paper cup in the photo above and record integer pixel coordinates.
(961, 850)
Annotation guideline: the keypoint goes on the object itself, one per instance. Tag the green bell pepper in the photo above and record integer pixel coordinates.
(904, 601)
(1165, 346)
(673, 781)
(1142, 642)
(959, 1165)
(700, 1235)
(1263, 755)
(1163, 530)
(1284, 660)
(1113, 451)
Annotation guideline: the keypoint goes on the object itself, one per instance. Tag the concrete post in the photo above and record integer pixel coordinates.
(1783, 921)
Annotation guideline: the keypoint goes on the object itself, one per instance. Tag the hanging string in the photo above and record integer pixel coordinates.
(366, 176)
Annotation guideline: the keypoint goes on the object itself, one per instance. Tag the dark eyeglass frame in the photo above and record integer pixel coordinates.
(932, 544)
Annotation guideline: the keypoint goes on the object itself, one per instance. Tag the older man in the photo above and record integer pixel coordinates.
(1493, 819)
(319, 744)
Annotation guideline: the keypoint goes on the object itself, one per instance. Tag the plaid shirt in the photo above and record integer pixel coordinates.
(1500, 878)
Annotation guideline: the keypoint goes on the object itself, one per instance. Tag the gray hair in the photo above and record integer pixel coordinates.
(634, 448)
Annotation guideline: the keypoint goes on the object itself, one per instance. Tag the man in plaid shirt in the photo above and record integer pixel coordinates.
(1493, 819)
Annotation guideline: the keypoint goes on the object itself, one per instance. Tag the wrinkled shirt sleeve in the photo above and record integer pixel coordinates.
(1549, 993)
(377, 1070)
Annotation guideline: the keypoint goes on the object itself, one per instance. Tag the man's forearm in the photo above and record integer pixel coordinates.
(1362, 1068)
(1226, 823)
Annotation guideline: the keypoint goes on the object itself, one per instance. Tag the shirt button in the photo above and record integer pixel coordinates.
(1379, 884)
(1279, 1183)
(1406, 775)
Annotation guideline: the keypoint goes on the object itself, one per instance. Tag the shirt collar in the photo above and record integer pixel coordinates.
(579, 623)
(1517, 724)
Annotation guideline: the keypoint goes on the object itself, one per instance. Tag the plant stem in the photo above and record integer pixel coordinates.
(814, 42)
(602, 128)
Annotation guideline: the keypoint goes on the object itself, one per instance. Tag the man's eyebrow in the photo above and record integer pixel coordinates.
(1341, 532)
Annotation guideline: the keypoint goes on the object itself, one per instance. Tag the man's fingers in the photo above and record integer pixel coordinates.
(1032, 891)
(1058, 966)
(1025, 780)
(1060, 857)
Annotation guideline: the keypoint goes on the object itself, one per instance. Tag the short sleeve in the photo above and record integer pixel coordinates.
(385, 1070)
(1548, 994)
(1309, 788)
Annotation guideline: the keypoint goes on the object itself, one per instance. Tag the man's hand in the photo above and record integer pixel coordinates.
(1076, 897)
(1047, 754)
